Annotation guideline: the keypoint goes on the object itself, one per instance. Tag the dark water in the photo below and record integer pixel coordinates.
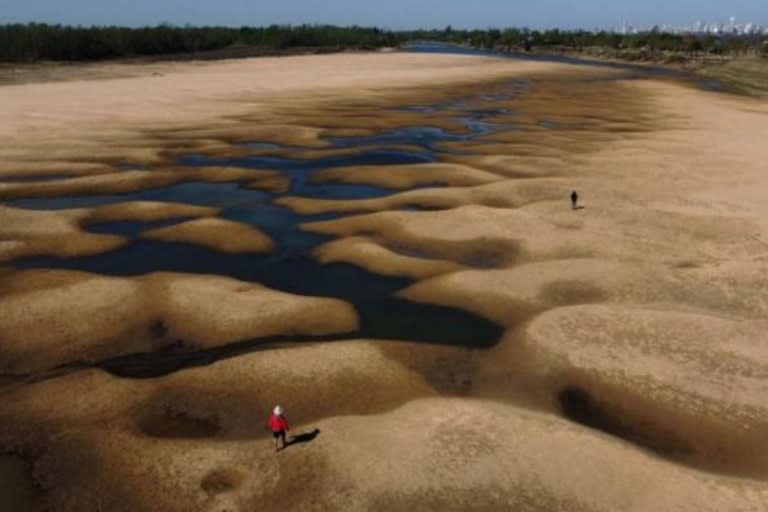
(201, 194)
(290, 267)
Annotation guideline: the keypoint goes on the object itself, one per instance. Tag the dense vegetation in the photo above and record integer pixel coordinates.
(34, 42)
(642, 44)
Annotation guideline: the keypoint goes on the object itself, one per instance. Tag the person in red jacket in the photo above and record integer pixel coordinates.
(279, 426)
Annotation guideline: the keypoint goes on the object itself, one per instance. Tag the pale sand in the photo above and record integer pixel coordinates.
(131, 180)
(146, 211)
(407, 176)
(382, 260)
(221, 234)
(193, 93)
(645, 310)
(42, 316)
(432, 453)
(25, 233)
(674, 221)
(698, 387)
(506, 193)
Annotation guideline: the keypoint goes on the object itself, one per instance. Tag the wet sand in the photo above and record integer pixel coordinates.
(633, 373)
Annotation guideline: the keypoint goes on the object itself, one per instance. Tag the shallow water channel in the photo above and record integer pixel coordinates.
(290, 267)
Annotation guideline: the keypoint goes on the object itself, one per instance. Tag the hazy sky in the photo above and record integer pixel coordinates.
(393, 14)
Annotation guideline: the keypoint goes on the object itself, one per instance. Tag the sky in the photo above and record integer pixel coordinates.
(391, 14)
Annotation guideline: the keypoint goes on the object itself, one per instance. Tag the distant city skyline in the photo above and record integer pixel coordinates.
(732, 26)
(392, 14)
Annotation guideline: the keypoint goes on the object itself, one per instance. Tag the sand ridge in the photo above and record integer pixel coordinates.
(381, 260)
(211, 90)
(631, 376)
(130, 180)
(62, 233)
(42, 327)
(407, 176)
(220, 234)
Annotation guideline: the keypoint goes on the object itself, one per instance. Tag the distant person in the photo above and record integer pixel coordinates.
(574, 200)
(279, 426)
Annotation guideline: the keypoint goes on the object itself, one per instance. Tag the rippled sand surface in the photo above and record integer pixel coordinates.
(629, 365)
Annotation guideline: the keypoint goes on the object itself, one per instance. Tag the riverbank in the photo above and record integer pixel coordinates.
(631, 373)
(746, 75)
(50, 71)
(163, 94)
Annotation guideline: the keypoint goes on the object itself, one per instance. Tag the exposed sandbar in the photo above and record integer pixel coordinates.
(146, 211)
(688, 384)
(635, 323)
(220, 234)
(407, 176)
(130, 181)
(63, 119)
(448, 445)
(27, 233)
(72, 316)
(500, 194)
(375, 258)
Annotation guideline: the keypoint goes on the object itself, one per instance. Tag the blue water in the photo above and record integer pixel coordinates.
(290, 267)
(195, 193)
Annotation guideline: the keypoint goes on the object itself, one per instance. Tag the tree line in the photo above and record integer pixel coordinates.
(35, 42)
(651, 41)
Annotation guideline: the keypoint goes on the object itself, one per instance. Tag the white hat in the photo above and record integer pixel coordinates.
(278, 410)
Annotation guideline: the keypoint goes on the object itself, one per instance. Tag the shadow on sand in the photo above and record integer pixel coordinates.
(307, 437)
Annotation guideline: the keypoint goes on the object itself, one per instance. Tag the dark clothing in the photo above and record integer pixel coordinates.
(279, 433)
(574, 199)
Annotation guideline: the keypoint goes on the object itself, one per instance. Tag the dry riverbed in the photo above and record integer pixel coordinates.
(631, 373)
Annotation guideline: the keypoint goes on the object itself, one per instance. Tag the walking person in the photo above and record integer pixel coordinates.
(279, 426)
(574, 200)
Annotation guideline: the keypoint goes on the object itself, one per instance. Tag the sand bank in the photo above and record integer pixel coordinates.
(480, 455)
(382, 260)
(223, 235)
(61, 233)
(632, 376)
(49, 318)
(66, 117)
(407, 176)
